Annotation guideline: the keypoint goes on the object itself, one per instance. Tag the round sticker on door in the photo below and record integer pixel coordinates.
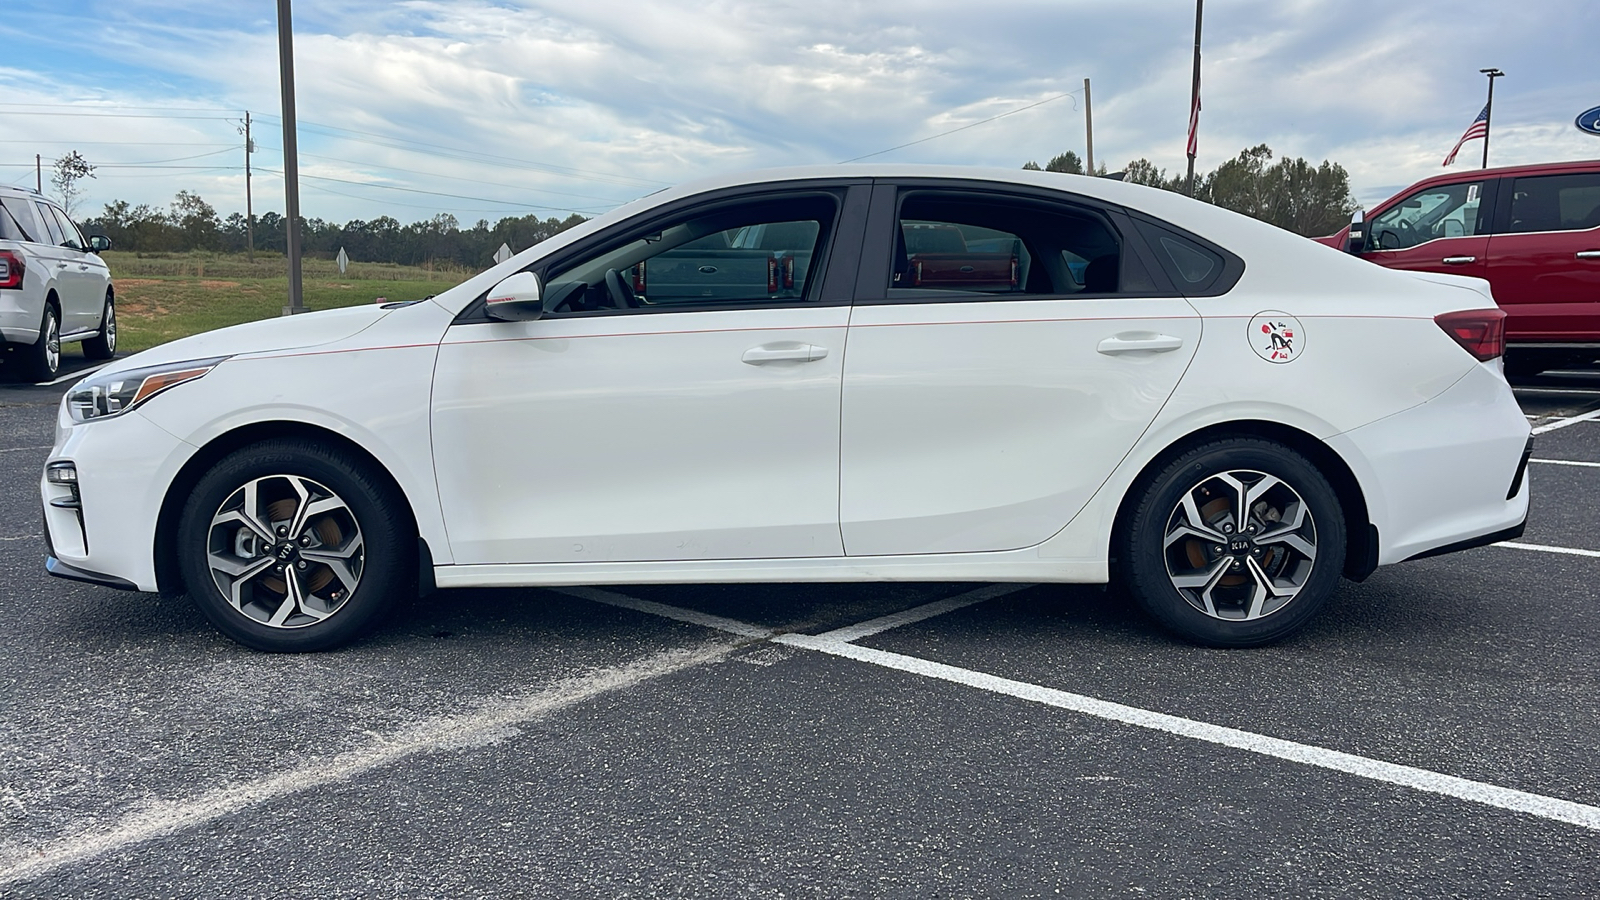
(1276, 337)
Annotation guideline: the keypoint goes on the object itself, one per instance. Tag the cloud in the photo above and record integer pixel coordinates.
(543, 106)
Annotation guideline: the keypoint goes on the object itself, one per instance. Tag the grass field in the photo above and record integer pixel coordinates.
(162, 299)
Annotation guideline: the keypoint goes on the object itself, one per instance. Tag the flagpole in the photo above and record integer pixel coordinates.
(1488, 111)
(1194, 99)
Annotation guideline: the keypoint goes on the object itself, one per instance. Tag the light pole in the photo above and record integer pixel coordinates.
(1488, 111)
(291, 158)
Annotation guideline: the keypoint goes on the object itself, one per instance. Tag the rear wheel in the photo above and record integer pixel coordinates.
(42, 358)
(104, 344)
(292, 546)
(1236, 543)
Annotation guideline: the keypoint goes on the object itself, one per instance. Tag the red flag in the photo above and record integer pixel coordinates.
(1194, 127)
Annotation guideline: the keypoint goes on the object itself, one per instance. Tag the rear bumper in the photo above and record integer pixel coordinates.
(1446, 475)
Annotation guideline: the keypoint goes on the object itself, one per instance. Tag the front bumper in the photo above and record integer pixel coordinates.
(124, 466)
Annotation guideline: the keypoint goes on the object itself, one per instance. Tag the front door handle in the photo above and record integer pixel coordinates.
(1139, 342)
(1589, 254)
(1459, 260)
(785, 351)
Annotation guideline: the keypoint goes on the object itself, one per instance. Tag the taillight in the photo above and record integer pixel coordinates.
(788, 273)
(638, 278)
(11, 269)
(1013, 273)
(1481, 332)
(772, 275)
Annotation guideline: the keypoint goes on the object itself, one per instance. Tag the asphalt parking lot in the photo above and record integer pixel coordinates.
(1434, 733)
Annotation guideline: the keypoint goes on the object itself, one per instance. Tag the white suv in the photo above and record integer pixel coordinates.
(53, 285)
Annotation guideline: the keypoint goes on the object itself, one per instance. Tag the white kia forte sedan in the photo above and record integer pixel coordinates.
(839, 373)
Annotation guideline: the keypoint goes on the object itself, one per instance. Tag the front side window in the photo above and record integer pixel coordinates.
(748, 252)
(972, 243)
(1556, 203)
(70, 235)
(1437, 212)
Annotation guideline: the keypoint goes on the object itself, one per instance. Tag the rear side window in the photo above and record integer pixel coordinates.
(973, 243)
(51, 227)
(1196, 268)
(1556, 203)
(19, 213)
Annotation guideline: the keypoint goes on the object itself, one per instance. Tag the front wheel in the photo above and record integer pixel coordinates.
(1236, 543)
(293, 546)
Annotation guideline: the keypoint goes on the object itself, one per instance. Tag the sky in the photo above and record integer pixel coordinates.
(491, 108)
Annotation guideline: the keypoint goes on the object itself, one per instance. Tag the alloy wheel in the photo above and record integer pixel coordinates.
(1240, 545)
(285, 551)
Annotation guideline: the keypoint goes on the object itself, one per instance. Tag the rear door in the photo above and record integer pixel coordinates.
(1544, 260)
(1442, 228)
(979, 418)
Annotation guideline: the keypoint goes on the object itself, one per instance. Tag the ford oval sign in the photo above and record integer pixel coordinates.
(1589, 121)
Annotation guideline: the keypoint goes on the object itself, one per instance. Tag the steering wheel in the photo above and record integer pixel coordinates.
(1407, 233)
(622, 295)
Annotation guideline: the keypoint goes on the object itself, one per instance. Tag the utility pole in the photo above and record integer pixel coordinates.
(38, 173)
(1194, 101)
(249, 207)
(291, 158)
(1488, 111)
(1088, 126)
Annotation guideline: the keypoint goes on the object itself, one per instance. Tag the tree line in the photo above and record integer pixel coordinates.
(1293, 194)
(190, 223)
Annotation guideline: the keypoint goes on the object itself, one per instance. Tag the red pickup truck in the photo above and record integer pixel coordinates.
(1532, 231)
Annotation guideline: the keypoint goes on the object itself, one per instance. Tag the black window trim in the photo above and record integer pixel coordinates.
(872, 285)
(837, 259)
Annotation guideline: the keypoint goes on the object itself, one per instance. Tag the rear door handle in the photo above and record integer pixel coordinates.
(1589, 254)
(1459, 260)
(790, 351)
(1139, 342)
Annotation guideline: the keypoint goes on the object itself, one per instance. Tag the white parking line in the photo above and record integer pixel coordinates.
(23, 537)
(918, 613)
(1545, 548)
(1363, 767)
(20, 449)
(1552, 808)
(1569, 420)
(71, 375)
(493, 722)
(1566, 462)
(1531, 389)
(693, 617)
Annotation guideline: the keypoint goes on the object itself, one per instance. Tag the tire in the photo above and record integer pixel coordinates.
(352, 559)
(1204, 580)
(104, 344)
(41, 360)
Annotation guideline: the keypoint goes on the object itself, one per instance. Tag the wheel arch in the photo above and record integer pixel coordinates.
(1361, 536)
(169, 577)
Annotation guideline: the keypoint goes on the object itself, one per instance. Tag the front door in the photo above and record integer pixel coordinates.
(1012, 355)
(1437, 229)
(679, 401)
(1544, 263)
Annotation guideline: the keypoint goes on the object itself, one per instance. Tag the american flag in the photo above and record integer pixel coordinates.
(1194, 127)
(1478, 129)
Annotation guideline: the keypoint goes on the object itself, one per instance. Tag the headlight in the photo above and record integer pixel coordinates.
(103, 396)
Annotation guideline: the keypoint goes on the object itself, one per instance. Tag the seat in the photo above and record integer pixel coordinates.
(1100, 275)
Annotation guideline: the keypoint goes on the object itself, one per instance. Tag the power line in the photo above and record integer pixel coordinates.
(117, 143)
(965, 127)
(120, 106)
(391, 187)
(518, 187)
(121, 116)
(475, 156)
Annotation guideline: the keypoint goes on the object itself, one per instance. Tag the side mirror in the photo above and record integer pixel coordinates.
(1358, 233)
(99, 243)
(516, 299)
